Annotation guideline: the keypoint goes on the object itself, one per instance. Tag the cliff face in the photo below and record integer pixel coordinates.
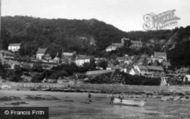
(170, 44)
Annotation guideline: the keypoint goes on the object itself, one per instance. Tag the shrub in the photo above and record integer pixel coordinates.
(140, 80)
(38, 77)
(37, 67)
(57, 74)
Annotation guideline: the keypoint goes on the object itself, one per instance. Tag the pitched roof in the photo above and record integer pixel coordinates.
(47, 55)
(125, 38)
(68, 53)
(110, 65)
(14, 44)
(116, 44)
(160, 54)
(158, 68)
(6, 52)
(83, 57)
(56, 58)
(98, 72)
(41, 50)
(122, 58)
(136, 71)
(142, 67)
(165, 63)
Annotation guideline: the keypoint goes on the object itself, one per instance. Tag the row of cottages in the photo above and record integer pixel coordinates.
(120, 63)
(42, 55)
(67, 57)
(14, 47)
(141, 65)
(79, 60)
(154, 71)
(125, 42)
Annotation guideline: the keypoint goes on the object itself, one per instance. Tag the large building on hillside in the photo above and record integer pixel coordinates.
(125, 42)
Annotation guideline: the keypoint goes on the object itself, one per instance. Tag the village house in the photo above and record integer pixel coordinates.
(159, 56)
(131, 43)
(139, 70)
(136, 44)
(26, 78)
(143, 59)
(122, 67)
(125, 42)
(68, 57)
(166, 64)
(40, 53)
(14, 47)
(134, 72)
(81, 59)
(186, 78)
(47, 57)
(113, 46)
(110, 66)
(6, 54)
(155, 71)
(56, 59)
(125, 59)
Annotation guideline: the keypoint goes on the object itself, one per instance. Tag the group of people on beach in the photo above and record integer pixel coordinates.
(112, 97)
(121, 97)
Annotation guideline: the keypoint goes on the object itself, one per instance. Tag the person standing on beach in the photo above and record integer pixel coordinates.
(112, 99)
(89, 97)
(121, 97)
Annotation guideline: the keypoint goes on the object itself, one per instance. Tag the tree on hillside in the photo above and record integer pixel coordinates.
(37, 67)
(179, 56)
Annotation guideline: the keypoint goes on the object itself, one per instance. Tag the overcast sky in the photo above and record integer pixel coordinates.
(126, 15)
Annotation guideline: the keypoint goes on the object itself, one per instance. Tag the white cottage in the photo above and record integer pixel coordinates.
(14, 47)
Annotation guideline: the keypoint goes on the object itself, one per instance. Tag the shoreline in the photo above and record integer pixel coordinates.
(101, 88)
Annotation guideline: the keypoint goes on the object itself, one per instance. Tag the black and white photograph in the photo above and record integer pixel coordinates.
(94, 59)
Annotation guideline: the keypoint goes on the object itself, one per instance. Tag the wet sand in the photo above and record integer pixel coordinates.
(64, 105)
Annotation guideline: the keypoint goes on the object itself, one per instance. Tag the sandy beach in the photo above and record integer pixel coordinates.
(64, 105)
